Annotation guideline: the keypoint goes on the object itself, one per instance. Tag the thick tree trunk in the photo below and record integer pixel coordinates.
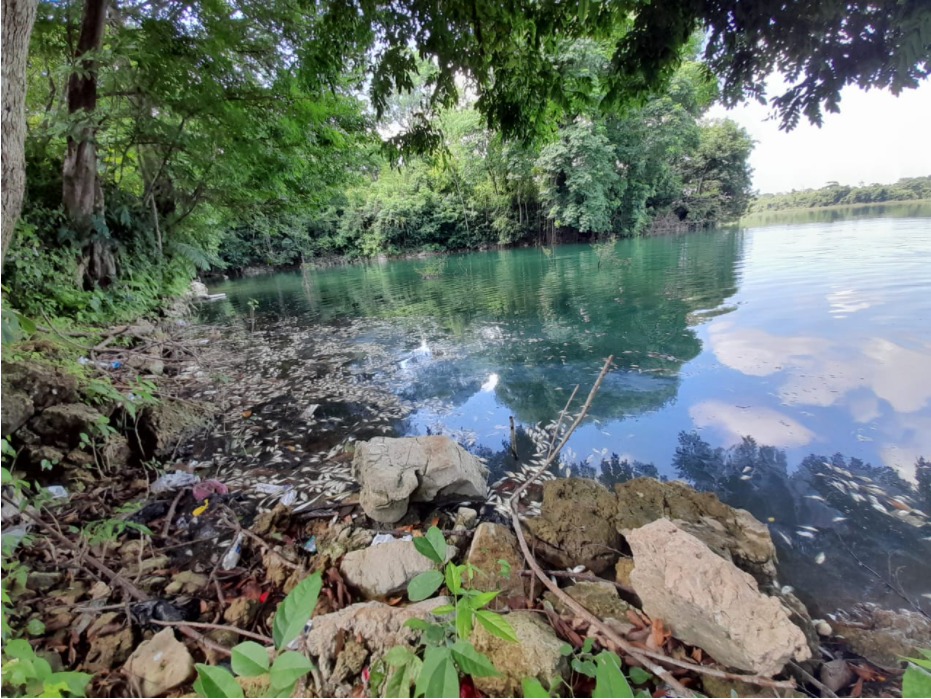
(82, 195)
(17, 19)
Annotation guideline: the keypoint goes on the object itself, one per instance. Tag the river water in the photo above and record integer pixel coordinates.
(784, 364)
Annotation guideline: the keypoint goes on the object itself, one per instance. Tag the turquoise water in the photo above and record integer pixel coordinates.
(813, 339)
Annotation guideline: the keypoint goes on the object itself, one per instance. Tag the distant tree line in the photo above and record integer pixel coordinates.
(834, 194)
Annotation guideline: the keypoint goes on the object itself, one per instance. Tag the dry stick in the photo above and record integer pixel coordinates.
(127, 586)
(171, 513)
(640, 654)
(828, 692)
(217, 627)
(583, 576)
(562, 416)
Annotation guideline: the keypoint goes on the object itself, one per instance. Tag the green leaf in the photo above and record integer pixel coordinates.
(584, 667)
(442, 609)
(565, 649)
(638, 675)
(424, 546)
(453, 578)
(483, 598)
(424, 585)
(289, 667)
(76, 682)
(609, 680)
(213, 681)
(463, 619)
(496, 625)
(296, 609)
(399, 684)
(916, 683)
(19, 648)
(438, 677)
(249, 659)
(921, 662)
(471, 662)
(398, 655)
(420, 624)
(286, 691)
(436, 539)
(532, 689)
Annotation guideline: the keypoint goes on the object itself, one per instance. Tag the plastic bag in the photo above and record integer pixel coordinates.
(173, 481)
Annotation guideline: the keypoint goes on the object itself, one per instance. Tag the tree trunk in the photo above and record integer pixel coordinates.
(82, 196)
(17, 19)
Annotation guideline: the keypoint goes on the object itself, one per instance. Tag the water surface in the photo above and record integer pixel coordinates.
(785, 366)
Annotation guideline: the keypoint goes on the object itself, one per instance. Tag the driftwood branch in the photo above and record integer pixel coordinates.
(649, 659)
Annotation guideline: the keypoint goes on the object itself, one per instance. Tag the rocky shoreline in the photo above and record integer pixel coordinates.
(182, 514)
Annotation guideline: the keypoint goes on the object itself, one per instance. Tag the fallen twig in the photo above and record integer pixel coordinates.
(216, 627)
(642, 655)
(583, 576)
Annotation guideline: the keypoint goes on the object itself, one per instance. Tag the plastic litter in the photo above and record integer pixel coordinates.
(289, 498)
(231, 559)
(173, 481)
(287, 494)
(310, 546)
(385, 538)
(57, 491)
(204, 490)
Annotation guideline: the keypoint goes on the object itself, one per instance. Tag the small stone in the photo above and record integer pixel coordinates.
(622, 570)
(350, 661)
(600, 598)
(491, 543)
(41, 581)
(836, 675)
(536, 654)
(466, 518)
(386, 569)
(823, 628)
(240, 612)
(160, 664)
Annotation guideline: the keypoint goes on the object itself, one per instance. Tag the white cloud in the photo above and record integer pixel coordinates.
(877, 137)
(766, 426)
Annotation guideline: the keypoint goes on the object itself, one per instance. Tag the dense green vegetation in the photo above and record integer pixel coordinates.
(834, 194)
(166, 138)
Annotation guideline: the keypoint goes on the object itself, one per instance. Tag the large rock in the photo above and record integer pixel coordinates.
(376, 626)
(62, 425)
(732, 533)
(490, 544)
(890, 636)
(160, 664)
(44, 384)
(536, 654)
(708, 602)
(169, 422)
(15, 411)
(385, 569)
(396, 472)
(576, 525)
(600, 598)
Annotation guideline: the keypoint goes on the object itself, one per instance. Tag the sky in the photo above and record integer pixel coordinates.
(876, 137)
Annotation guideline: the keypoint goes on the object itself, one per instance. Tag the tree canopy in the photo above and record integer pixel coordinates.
(164, 134)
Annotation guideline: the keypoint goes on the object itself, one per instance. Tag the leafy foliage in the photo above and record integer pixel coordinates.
(26, 674)
(834, 194)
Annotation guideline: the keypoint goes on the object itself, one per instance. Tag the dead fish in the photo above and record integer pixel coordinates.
(819, 559)
(807, 535)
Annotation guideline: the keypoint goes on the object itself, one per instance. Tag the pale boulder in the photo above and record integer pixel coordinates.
(394, 472)
(385, 569)
(708, 602)
(159, 664)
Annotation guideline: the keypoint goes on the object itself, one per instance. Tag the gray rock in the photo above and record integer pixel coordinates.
(576, 525)
(37, 453)
(891, 635)
(163, 425)
(15, 411)
(159, 664)
(396, 472)
(836, 674)
(491, 543)
(536, 654)
(708, 602)
(42, 581)
(732, 533)
(43, 384)
(385, 569)
(600, 598)
(62, 425)
(376, 626)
